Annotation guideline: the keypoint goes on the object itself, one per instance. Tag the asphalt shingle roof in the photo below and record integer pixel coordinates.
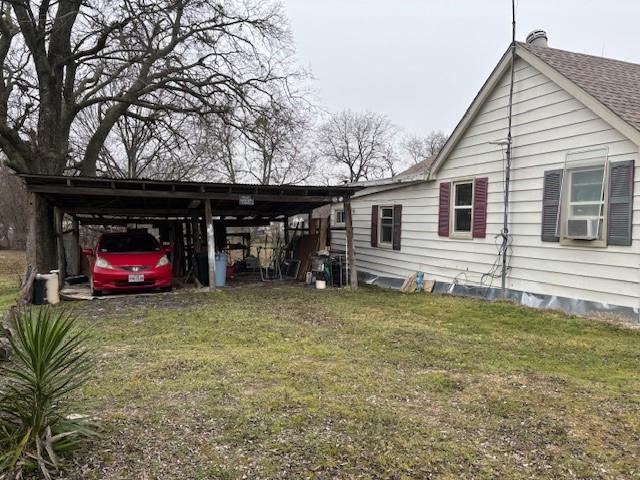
(418, 168)
(615, 83)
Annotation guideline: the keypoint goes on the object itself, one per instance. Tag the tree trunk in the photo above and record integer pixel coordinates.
(96, 143)
(41, 236)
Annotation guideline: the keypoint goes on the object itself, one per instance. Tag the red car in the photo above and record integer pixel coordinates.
(128, 262)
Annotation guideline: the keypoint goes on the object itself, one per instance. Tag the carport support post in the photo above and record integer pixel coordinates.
(286, 231)
(351, 252)
(76, 253)
(211, 245)
(59, 216)
(195, 233)
(190, 252)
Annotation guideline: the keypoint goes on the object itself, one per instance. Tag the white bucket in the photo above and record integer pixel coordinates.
(52, 286)
(321, 284)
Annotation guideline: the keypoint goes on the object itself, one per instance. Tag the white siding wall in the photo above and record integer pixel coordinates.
(547, 123)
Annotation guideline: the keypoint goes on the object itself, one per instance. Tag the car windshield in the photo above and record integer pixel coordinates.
(128, 244)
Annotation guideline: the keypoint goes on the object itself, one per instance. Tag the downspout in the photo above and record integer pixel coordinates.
(507, 174)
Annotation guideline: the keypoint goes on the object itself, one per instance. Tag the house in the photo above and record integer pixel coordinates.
(573, 241)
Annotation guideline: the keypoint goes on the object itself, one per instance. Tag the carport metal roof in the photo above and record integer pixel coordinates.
(91, 197)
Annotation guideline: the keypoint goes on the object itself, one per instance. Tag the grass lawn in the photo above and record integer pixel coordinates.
(11, 267)
(293, 383)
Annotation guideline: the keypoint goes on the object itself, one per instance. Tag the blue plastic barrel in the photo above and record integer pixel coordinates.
(221, 269)
(419, 281)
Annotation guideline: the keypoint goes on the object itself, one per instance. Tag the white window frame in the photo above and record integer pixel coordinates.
(381, 208)
(452, 227)
(337, 212)
(572, 166)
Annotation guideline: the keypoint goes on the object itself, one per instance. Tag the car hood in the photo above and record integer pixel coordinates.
(149, 259)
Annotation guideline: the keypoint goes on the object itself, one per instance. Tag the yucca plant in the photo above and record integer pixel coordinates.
(49, 361)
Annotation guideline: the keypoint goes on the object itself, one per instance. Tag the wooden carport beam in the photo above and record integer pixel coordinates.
(162, 212)
(133, 212)
(351, 251)
(211, 245)
(122, 192)
(158, 221)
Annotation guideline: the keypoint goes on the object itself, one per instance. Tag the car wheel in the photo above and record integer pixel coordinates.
(166, 289)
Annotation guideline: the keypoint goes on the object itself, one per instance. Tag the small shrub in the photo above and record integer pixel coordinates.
(49, 361)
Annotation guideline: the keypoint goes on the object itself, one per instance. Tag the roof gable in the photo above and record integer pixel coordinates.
(471, 112)
(420, 168)
(614, 83)
(602, 85)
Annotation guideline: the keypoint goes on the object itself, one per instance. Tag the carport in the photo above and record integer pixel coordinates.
(193, 206)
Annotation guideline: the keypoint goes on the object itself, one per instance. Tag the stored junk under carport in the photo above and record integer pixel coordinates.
(190, 205)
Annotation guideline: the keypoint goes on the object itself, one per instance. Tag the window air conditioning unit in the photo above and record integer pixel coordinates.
(583, 228)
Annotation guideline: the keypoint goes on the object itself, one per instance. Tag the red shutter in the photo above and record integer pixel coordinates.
(374, 225)
(480, 187)
(397, 226)
(443, 209)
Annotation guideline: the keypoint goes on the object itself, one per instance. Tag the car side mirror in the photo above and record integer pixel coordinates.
(87, 252)
(168, 249)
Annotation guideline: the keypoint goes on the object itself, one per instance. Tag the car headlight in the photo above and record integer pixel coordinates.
(163, 261)
(102, 263)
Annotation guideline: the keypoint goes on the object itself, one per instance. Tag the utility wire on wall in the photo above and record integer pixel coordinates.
(503, 240)
(506, 240)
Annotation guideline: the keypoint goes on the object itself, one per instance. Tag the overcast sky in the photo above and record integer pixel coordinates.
(421, 62)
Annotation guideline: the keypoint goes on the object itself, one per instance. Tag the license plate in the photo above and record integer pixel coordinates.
(136, 278)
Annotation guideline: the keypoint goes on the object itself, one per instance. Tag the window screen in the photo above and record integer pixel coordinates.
(463, 206)
(586, 199)
(386, 224)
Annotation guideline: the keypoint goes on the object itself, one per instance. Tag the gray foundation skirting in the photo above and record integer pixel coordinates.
(569, 305)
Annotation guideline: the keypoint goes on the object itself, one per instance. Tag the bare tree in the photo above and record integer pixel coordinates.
(272, 147)
(359, 144)
(420, 148)
(150, 147)
(275, 145)
(390, 160)
(13, 204)
(216, 146)
(175, 55)
(146, 144)
(59, 58)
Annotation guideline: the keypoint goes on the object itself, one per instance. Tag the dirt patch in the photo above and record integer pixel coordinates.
(297, 305)
(127, 304)
(614, 319)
